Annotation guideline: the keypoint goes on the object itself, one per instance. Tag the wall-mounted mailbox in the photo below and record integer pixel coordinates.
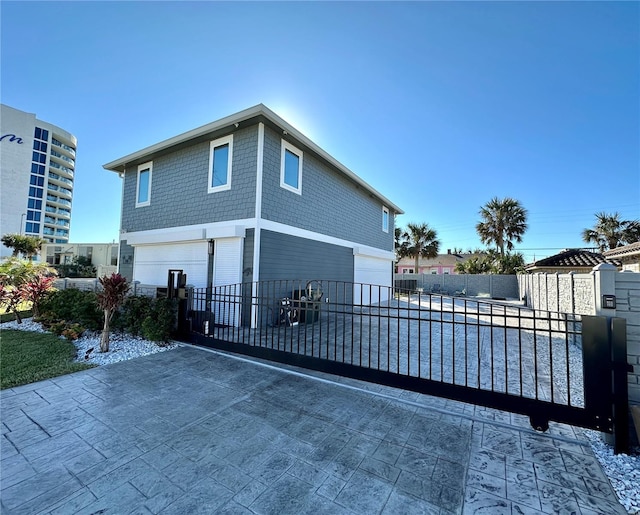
(609, 301)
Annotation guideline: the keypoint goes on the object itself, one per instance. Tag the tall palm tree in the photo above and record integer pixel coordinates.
(503, 220)
(611, 232)
(419, 240)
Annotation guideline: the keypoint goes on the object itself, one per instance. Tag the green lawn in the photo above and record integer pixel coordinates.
(26, 357)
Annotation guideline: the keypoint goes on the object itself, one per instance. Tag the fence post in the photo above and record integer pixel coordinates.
(604, 284)
(604, 289)
(618, 340)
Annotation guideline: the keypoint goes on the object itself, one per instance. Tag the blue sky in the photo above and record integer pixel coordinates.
(439, 106)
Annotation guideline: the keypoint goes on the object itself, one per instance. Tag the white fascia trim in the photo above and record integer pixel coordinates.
(258, 213)
(216, 230)
(363, 250)
(373, 252)
(257, 231)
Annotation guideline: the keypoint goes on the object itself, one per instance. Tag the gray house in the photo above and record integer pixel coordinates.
(249, 198)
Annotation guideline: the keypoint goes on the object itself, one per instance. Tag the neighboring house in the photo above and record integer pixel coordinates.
(103, 256)
(570, 260)
(442, 264)
(250, 198)
(629, 256)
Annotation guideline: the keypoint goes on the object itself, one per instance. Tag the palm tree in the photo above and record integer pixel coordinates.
(28, 246)
(611, 232)
(419, 240)
(503, 220)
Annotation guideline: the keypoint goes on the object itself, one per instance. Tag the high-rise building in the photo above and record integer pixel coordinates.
(37, 163)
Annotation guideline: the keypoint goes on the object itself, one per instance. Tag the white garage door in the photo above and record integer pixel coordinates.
(152, 263)
(371, 271)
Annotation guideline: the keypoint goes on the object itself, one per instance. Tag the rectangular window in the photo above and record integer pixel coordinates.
(291, 168)
(385, 219)
(41, 134)
(35, 204)
(35, 192)
(32, 227)
(37, 169)
(220, 158)
(143, 188)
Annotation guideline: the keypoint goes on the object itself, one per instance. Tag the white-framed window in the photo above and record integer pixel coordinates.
(385, 219)
(434, 271)
(446, 271)
(291, 168)
(220, 157)
(143, 184)
(407, 271)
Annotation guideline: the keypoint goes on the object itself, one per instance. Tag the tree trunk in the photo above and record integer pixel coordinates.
(417, 258)
(104, 339)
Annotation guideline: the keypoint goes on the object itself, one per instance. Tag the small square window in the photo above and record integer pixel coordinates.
(143, 186)
(220, 159)
(385, 219)
(291, 168)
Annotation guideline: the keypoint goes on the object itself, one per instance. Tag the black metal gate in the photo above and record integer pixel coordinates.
(545, 365)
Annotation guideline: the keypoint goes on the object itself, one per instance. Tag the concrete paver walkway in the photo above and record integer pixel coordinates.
(192, 431)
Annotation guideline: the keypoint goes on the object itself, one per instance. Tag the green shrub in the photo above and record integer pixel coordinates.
(74, 306)
(159, 323)
(132, 314)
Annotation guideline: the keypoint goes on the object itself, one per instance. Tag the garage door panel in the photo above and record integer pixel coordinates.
(153, 262)
(371, 271)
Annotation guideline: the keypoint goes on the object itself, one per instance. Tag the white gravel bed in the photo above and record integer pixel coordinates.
(121, 346)
(622, 470)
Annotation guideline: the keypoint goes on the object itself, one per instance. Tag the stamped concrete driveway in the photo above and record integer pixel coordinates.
(193, 431)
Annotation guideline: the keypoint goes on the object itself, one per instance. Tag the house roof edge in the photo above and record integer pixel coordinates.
(144, 154)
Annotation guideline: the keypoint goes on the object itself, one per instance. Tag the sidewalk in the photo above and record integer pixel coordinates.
(193, 431)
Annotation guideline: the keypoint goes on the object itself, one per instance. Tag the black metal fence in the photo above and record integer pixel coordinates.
(492, 354)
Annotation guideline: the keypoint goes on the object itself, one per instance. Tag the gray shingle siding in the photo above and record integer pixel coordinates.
(179, 188)
(330, 204)
(289, 257)
(125, 260)
(247, 257)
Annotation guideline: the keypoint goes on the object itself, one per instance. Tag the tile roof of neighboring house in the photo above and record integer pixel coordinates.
(573, 258)
(628, 250)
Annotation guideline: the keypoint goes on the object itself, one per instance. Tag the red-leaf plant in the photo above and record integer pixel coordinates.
(35, 290)
(113, 294)
(11, 298)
